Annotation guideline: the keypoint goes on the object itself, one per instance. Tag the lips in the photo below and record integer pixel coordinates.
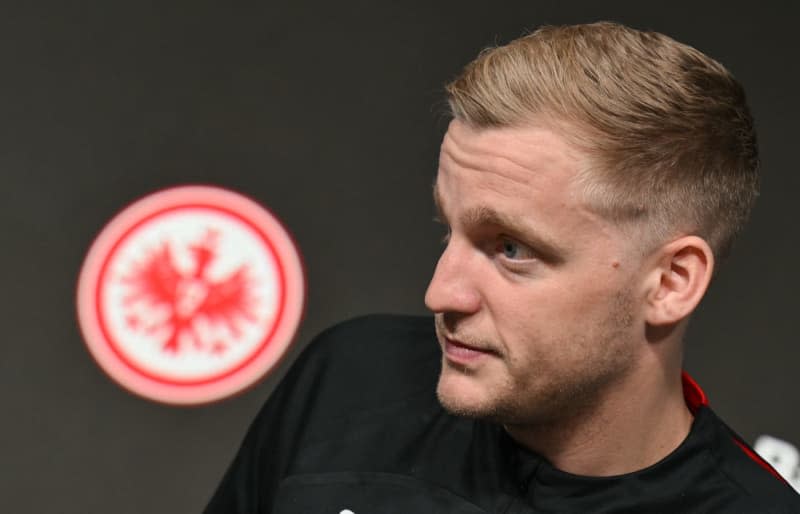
(462, 353)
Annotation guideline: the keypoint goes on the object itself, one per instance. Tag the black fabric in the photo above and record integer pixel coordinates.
(355, 426)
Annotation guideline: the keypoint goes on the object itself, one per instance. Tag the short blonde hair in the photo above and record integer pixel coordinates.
(667, 129)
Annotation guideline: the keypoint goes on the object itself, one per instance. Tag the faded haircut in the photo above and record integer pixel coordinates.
(667, 131)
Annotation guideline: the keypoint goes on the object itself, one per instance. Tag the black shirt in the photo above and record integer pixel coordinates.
(355, 427)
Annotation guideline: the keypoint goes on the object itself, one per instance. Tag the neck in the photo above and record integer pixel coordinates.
(634, 426)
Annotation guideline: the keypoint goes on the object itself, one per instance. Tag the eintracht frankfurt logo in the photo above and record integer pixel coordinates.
(190, 294)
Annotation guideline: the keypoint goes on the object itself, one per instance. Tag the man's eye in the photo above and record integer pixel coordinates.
(513, 250)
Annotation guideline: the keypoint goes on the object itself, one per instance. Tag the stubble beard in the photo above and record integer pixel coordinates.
(543, 394)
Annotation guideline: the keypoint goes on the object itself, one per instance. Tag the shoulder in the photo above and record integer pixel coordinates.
(379, 335)
(375, 344)
(331, 411)
(367, 361)
(760, 489)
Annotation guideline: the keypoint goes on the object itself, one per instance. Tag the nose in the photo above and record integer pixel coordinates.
(452, 288)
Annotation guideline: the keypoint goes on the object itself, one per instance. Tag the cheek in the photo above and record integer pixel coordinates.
(561, 301)
(553, 326)
(529, 334)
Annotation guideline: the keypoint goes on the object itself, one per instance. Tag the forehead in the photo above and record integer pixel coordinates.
(511, 161)
(523, 179)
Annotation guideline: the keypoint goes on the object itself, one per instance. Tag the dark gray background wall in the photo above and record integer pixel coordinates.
(328, 113)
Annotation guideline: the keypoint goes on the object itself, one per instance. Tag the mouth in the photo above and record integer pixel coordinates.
(461, 353)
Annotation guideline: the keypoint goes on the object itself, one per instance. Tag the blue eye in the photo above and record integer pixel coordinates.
(510, 249)
(514, 251)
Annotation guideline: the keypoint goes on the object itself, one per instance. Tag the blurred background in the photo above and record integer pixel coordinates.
(330, 114)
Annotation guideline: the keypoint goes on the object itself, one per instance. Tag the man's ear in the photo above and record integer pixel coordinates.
(678, 280)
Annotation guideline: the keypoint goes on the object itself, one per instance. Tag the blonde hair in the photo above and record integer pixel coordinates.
(666, 128)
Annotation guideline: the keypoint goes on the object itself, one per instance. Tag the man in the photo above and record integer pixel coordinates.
(591, 180)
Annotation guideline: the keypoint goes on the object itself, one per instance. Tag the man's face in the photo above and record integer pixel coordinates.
(536, 300)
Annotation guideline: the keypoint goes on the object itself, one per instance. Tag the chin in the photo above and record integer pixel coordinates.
(464, 395)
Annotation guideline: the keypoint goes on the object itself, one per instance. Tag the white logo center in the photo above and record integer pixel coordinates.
(190, 294)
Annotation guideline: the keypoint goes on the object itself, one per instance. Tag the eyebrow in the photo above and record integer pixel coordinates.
(483, 216)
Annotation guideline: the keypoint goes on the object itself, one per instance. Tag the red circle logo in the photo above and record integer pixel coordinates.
(190, 294)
